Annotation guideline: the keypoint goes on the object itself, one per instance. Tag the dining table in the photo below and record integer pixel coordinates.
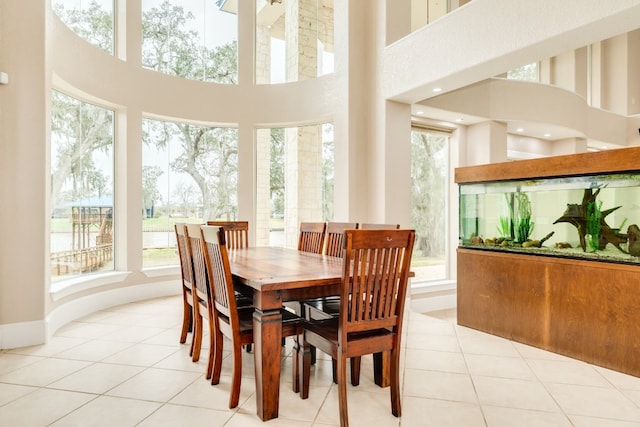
(272, 276)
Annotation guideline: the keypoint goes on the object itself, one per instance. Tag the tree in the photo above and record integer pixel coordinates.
(150, 192)
(169, 47)
(92, 23)
(428, 175)
(79, 130)
(208, 155)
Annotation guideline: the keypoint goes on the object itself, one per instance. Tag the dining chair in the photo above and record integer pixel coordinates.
(200, 290)
(229, 320)
(186, 270)
(334, 237)
(311, 237)
(373, 291)
(236, 233)
(373, 226)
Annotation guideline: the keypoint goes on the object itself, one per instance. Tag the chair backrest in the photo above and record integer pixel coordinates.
(186, 263)
(219, 271)
(194, 246)
(236, 233)
(374, 281)
(334, 237)
(379, 226)
(311, 238)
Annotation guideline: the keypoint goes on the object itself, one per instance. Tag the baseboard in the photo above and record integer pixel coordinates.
(24, 334)
(436, 297)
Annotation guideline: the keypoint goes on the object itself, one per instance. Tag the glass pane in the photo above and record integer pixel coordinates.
(294, 40)
(429, 168)
(92, 20)
(189, 174)
(294, 181)
(82, 175)
(527, 72)
(193, 39)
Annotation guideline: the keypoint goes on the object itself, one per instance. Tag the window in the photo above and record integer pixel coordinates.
(294, 181)
(92, 20)
(429, 172)
(189, 174)
(193, 39)
(82, 173)
(294, 41)
(527, 73)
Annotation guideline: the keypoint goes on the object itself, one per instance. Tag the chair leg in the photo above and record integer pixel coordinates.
(236, 377)
(342, 391)
(212, 350)
(217, 358)
(186, 322)
(334, 371)
(355, 370)
(196, 344)
(395, 382)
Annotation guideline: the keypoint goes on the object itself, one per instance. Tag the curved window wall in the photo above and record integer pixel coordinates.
(90, 19)
(187, 172)
(82, 183)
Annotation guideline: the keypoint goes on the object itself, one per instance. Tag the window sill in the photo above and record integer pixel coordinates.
(81, 283)
(165, 270)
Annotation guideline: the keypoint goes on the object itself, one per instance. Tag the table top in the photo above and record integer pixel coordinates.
(273, 268)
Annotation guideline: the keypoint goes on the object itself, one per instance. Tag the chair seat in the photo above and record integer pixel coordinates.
(327, 329)
(321, 308)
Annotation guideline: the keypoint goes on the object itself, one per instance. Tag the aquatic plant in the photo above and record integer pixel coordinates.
(506, 228)
(523, 224)
(594, 222)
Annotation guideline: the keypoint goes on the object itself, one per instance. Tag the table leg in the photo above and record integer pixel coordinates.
(267, 335)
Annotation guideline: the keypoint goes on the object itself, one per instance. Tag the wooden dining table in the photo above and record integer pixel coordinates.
(273, 275)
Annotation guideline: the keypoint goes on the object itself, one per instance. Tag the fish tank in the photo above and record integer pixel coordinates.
(585, 217)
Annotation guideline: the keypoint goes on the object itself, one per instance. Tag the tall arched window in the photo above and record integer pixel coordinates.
(294, 179)
(429, 203)
(189, 174)
(192, 39)
(82, 182)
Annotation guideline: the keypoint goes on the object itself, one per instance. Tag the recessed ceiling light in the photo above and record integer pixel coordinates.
(420, 112)
(520, 130)
(604, 147)
(459, 119)
(547, 135)
(437, 89)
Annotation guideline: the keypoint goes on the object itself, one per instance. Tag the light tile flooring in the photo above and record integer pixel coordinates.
(125, 367)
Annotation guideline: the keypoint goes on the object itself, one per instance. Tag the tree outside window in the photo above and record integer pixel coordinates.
(190, 174)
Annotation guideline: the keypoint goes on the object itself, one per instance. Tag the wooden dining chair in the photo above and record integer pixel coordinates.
(334, 237)
(311, 237)
(186, 271)
(373, 290)
(228, 319)
(236, 233)
(372, 226)
(199, 291)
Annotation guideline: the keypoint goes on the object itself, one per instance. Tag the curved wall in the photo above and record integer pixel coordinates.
(84, 69)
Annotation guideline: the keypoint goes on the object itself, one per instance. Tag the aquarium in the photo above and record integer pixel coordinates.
(593, 216)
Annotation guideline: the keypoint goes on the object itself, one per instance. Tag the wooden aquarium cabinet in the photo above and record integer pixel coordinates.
(583, 303)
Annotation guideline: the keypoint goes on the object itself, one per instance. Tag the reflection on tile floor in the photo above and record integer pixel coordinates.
(124, 367)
